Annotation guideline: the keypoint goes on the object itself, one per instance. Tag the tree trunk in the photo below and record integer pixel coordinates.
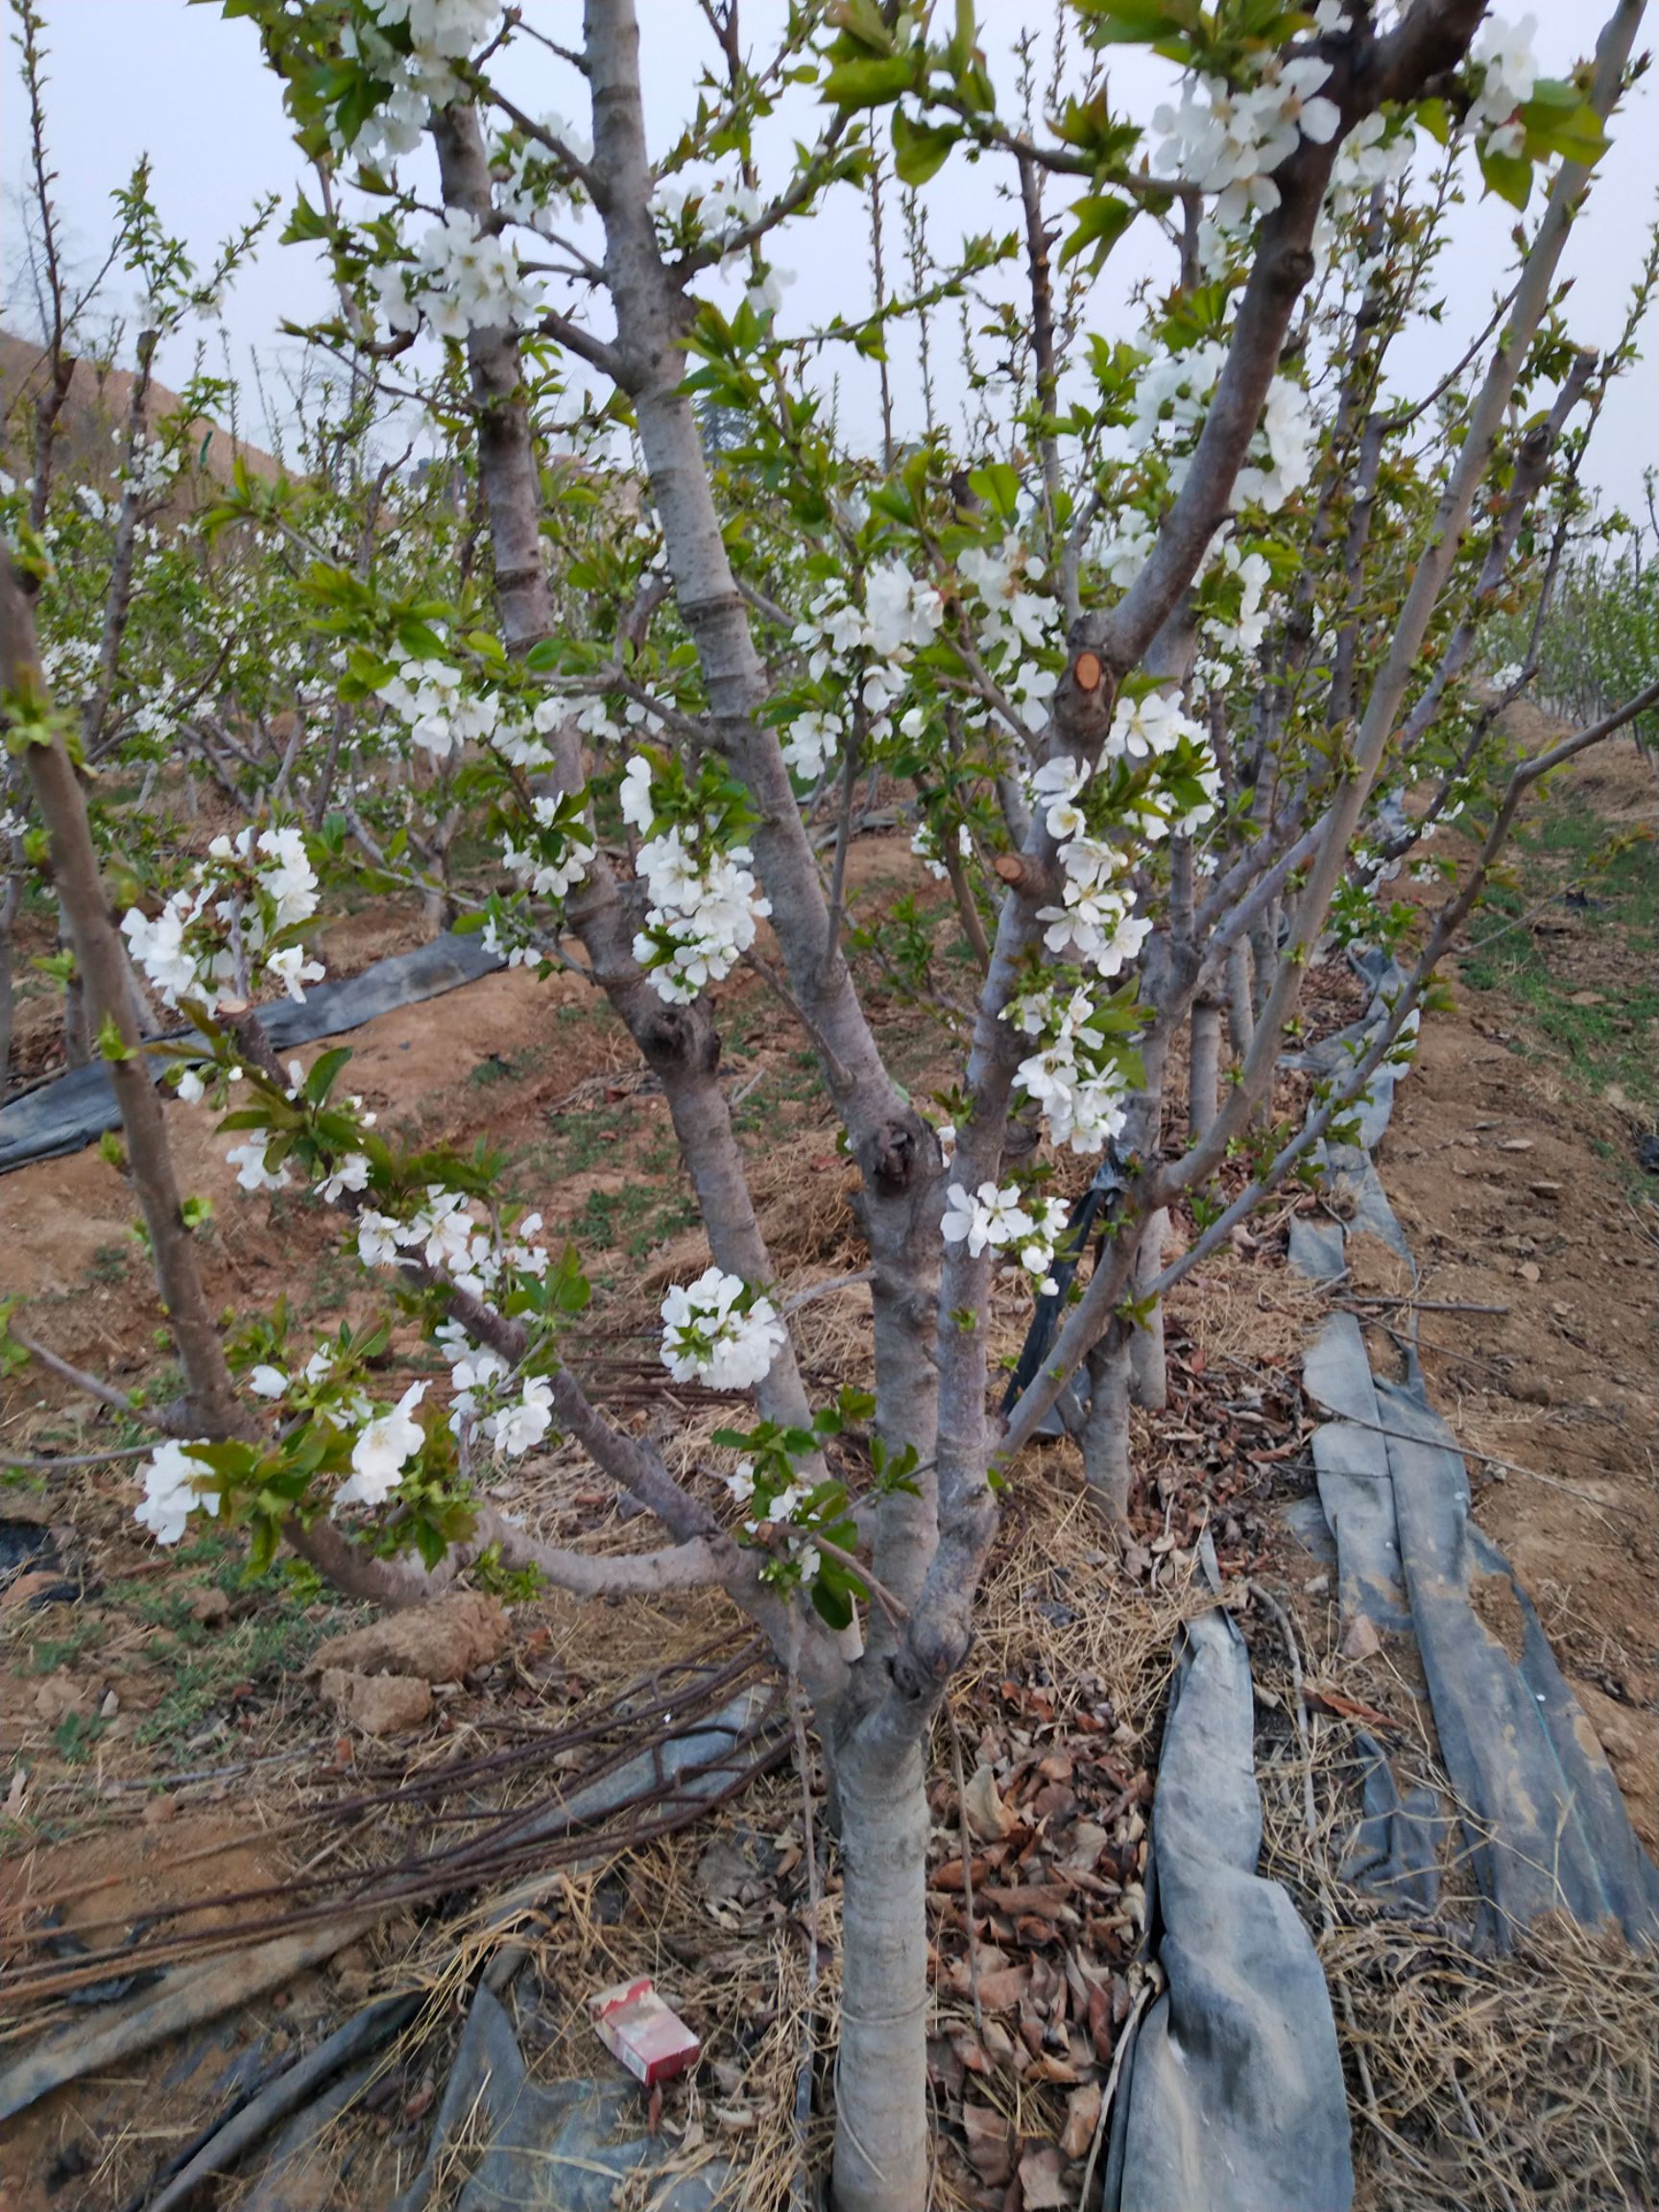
(10, 907)
(883, 2132)
(100, 962)
(1150, 1371)
(1263, 959)
(1204, 1079)
(1240, 1013)
(1106, 1432)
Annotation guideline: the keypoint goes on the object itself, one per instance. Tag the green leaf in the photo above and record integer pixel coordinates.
(920, 150)
(1508, 174)
(831, 1604)
(1101, 221)
(1576, 131)
(1137, 22)
(111, 1045)
(863, 21)
(321, 1080)
(873, 80)
(999, 486)
(1436, 118)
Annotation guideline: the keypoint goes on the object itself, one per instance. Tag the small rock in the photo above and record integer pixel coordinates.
(110, 1706)
(1530, 1271)
(1533, 1390)
(1515, 1145)
(1360, 1640)
(159, 1810)
(379, 1704)
(207, 1604)
(1317, 1585)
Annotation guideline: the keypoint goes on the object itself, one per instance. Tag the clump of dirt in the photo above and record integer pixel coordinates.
(453, 1636)
(1499, 1609)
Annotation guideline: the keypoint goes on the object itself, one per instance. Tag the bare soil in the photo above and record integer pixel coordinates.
(203, 1777)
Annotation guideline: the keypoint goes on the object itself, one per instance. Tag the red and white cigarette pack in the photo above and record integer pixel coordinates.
(636, 2027)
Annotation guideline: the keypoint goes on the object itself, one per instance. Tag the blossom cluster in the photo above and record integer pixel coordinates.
(512, 1413)
(870, 646)
(382, 1450)
(559, 855)
(776, 1507)
(233, 922)
(439, 32)
(990, 1220)
(1072, 1076)
(445, 1234)
(169, 1476)
(1228, 630)
(531, 181)
(427, 695)
(719, 1332)
(1503, 53)
(1172, 399)
(463, 278)
(688, 209)
(1013, 625)
(1229, 139)
(704, 905)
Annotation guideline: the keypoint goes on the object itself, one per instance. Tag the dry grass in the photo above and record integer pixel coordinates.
(1501, 2083)
(1522, 2082)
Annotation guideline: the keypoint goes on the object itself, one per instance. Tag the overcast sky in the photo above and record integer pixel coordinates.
(131, 76)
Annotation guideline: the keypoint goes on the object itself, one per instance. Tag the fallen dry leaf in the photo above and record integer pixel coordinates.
(988, 1819)
(1350, 1709)
(1082, 2116)
(1040, 2177)
(990, 2137)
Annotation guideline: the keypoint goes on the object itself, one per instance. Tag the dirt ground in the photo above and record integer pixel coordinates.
(165, 1746)
(1517, 1186)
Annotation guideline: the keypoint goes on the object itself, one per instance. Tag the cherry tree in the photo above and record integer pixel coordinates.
(1156, 661)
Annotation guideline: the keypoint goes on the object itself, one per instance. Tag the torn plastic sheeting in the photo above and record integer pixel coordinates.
(303, 2084)
(546, 2148)
(304, 2162)
(185, 1997)
(74, 1111)
(1394, 1853)
(1233, 2098)
(1356, 1488)
(1316, 1249)
(1546, 1822)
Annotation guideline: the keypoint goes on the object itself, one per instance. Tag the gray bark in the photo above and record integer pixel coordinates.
(1106, 1464)
(881, 2139)
(1204, 1076)
(1151, 1368)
